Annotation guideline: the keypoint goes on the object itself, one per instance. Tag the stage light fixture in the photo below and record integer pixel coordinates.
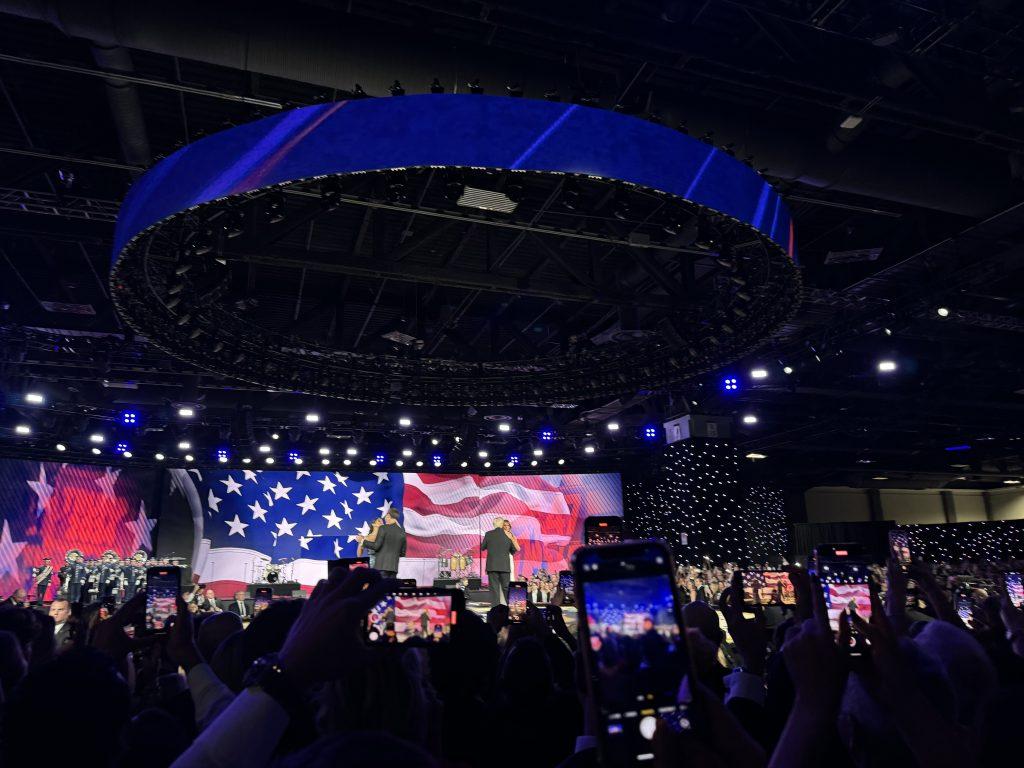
(96, 437)
(547, 435)
(561, 462)
(942, 311)
(222, 455)
(159, 456)
(481, 454)
(533, 463)
(405, 421)
(754, 456)
(464, 464)
(887, 331)
(379, 458)
(61, 447)
(184, 445)
(275, 436)
(186, 413)
(293, 456)
(297, 462)
(35, 398)
(787, 369)
(886, 366)
(436, 460)
(269, 459)
(880, 477)
(759, 373)
(589, 449)
(1011, 482)
(434, 441)
(513, 460)
(650, 432)
(613, 426)
(538, 451)
(126, 454)
(504, 426)
(324, 451)
(419, 463)
(510, 465)
(312, 418)
(120, 447)
(346, 462)
(372, 462)
(325, 462)
(247, 460)
(487, 463)
(189, 457)
(96, 451)
(399, 463)
(23, 429)
(730, 384)
(264, 448)
(407, 452)
(351, 451)
(749, 418)
(129, 418)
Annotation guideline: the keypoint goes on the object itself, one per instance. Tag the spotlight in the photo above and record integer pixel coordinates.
(126, 454)
(510, 465)
(464, 464)
(481, 454)
(186, 413)
(325, 462)
(95, 451)
(264, 448)
(613, 426)
(547, 435)
(325, 451)
(312, 418)
(293, 456)
(561, 462)
(297, 462)
(650, 432)
(538, 452)
(189, 457)
(786, 369)
(247, 460)
(504, 426)
(275, 436)
(346, 462)
(589, 449)
(754, 456)
(750, 419)
(34, 398)
(407, 452)
(436, 460)
(222, 455)
(120, 447)
(887, 331)
(880, 477)
(129, 418)
(96, 437)
(184, 445)
(379, 458)
(1011, 482)
(759, 373)
(351, 451)
(434, 441)
(61, 447)
(730, 384)
(372, 462)
(159, 456)
(533, 463)
(513, 460)
(269, 459)
(405, 421)
(399, 463)
(942, 311)
(23, 429)
(419, 463)
(886, 366)
(487, 463)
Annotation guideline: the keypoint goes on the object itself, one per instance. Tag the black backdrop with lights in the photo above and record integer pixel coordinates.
(980, 541)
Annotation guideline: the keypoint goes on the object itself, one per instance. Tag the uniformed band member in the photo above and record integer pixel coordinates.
(133, 575)
(109, 580)
(73, 576)
(41, 577)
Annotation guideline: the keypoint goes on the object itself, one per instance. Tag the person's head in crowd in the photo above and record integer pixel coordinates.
(19, 596)
(702, 617)
(392, 516)
(357, 749)
(240, 595)
(100, 705)
(525, 675)
(969, 671)
(215, 629)
(23, 624)
(497, 617)
(211, 595)
(60, 610)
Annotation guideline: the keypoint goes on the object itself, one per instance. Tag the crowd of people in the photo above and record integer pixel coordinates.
(298, 685)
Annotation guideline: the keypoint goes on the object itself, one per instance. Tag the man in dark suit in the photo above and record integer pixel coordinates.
(499, 548)
(389, 545)
(240, 606)
(63, 624)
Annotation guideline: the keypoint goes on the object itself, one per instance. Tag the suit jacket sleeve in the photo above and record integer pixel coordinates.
(405, 541)
(374, 546)
(483, 544)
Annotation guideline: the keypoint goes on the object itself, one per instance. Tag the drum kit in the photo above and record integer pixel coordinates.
(452, 565)
(271, 572)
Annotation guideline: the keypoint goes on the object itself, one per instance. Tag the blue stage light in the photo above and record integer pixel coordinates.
(513, 460)
(650, 432)
(293, 457)
(547, 435)
(379, 458)
(730, 384)
(129, 418)
(120, 447)
(222, 455)
(436, 459)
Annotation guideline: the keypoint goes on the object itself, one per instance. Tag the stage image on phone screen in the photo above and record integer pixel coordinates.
(899, 548)
(402, 616)
(639, 658)
(965, 608)
(1015, 589)
(162, 587)
(768, 588)
(517, 597)
(261, 599)
(598, 531)
(567, 584)
(846, 586)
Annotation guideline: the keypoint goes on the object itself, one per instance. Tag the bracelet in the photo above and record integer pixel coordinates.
(267, 674)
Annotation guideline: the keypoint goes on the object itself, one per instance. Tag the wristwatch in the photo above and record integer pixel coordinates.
(268, 674)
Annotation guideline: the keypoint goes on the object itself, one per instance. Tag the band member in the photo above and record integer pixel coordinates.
(499, 546)
(109, 577)
(41, 577)
(73, 576)
(389, 544)
(133, 575)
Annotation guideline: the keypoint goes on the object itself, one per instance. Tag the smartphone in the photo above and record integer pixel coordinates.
(633, 645)
(768, 588)
(427, 613)
(517, 597)
(602, 529)
(1014, 589)
(261, 599)
(899, 549)
(163, 584)
(845, 577)
(965, 605)
(407, 583)
(348, 563)
(567, 585)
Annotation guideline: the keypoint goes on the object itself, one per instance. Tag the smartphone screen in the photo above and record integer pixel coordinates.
(567, 583)
(899, 548)
(845, 584)
(633, 646)
(348, 563)
(426, 613)
(517, 597)
(163, 584)
(1014, 589)
(602, 529)
(261, 599)
(964, 607)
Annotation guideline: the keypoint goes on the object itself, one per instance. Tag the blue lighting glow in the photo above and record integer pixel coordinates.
(222, 454)
(436, 459)
(120, 447)
(379, 458)
(513, 460)
(293, 456)
(958, 448)
(547, 435)
(650, 432)
(730, 384)
(129, 418)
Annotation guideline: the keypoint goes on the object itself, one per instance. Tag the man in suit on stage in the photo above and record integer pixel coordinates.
(499, 547)
(389, 545)
(240, 606)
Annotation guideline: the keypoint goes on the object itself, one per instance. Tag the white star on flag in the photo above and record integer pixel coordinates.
(237, 526)
(308, 505)
(325, 481)
(363, 496)
(106, 483)
(9, 551)
(337, 547)
(362, 530)
(284, 528)
(249, 475)
(258, 512)
(304, 541)
(141, 529)
(382, 477)
(347, 508)
(333, 521)
(213, 501)
(280, 492)
(269, 498)
(233, 486)
(386, 508)
(343, 479)
(42, 489)
(300, 473)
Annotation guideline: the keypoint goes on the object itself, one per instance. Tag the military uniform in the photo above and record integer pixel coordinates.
(41, 578)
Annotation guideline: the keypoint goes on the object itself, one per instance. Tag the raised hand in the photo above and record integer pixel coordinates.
(749, 635)
(896, 596)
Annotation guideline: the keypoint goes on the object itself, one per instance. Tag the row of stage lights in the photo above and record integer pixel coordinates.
(731, 382)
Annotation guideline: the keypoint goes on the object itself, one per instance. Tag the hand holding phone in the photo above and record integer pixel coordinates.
(518, 596)
(1014, 589)
(163, 585)
(425, 613)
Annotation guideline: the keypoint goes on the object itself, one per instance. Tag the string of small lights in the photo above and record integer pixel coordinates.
(980, 542)
(764, 523)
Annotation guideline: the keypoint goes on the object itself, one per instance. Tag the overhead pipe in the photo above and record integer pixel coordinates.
(125, 106)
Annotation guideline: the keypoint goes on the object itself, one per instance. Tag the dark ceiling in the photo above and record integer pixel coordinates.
(894, 130)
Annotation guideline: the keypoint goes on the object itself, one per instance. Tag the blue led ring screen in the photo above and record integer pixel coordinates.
(287, 252)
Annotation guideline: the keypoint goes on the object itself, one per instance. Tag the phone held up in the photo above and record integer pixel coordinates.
(602, 529)
(517, 599)
(633, 646)
(899, 549)
(262, 598)
(424, 613)
(163, 584)
(845, 576)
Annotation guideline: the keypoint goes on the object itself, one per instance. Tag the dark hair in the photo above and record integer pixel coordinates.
(393, 513)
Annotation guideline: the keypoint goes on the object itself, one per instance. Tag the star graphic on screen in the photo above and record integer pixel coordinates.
(363, 496)
(301, 473)
(362, 530)
(325, 481)
(386, 508)
(249, 475)
(382, 477)
(233, 486)
(106, 482)
(9, 551)
(304, 541)
(284, 528)
(333, 520)
(280, 492)
(308, 505)
(142, 530)
(236, 526)
(343, 479)
(213, 501)
(337, 547)
(42, 490)
(347, 508)
(258, 512)
(269, 497)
